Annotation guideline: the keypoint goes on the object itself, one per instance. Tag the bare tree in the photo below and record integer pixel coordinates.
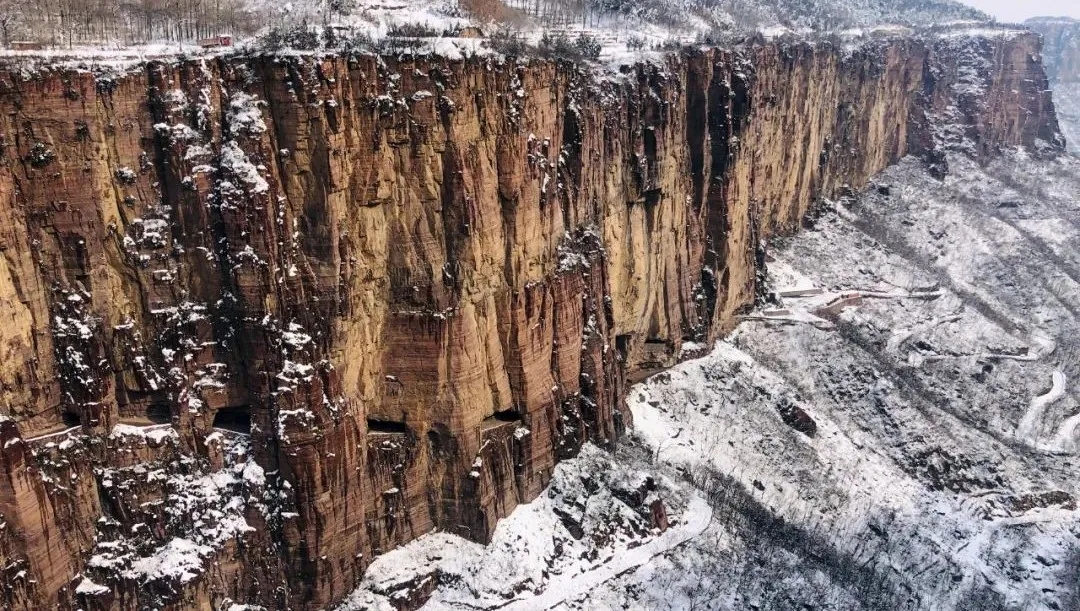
(108, 22)
(12, 14)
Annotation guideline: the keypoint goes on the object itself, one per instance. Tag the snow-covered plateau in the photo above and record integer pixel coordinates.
(897, 429)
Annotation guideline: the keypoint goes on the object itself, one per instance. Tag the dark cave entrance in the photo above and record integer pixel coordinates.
(508, 415)
(70, 419)
(235, 419)
(622, 345)
(159, 413)
(386, 427)
(499, 419)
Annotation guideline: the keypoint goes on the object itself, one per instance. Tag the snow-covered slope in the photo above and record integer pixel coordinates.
(815, 14)
(648, 22)
(454, 28)
(819, 15)
(598, 519)
(899, 431)
(944, 403)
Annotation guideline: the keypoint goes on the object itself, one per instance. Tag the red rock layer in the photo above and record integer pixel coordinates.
(416, 284)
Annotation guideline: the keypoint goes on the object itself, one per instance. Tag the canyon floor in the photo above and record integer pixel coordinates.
(898, 430)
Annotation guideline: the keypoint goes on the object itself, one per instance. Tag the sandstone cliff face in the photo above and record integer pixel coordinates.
(263, 319)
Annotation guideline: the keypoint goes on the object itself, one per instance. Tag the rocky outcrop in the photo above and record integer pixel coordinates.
(265, 318)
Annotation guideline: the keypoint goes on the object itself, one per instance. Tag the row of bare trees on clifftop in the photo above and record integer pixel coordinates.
(122, 22)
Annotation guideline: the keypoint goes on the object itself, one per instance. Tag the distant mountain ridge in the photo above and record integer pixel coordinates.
(1061, 46)
(1061, 55)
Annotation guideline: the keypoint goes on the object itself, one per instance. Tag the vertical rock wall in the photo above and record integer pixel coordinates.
(262, 319)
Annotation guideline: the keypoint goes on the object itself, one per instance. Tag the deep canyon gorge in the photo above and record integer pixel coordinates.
(265, 318)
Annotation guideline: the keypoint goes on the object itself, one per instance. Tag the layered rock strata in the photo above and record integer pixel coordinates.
(263, 318)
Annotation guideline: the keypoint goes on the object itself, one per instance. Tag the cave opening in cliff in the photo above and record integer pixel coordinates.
(70, 418)
(159, 413)
(386, 427)
(507, 415)
(76, 258)
(500, 418)
(622, 346)
(441, 441)
(235, 419)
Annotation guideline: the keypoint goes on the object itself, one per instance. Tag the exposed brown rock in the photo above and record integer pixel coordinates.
(417, 284)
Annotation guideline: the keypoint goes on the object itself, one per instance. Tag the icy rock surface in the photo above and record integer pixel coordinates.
(929, 332)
